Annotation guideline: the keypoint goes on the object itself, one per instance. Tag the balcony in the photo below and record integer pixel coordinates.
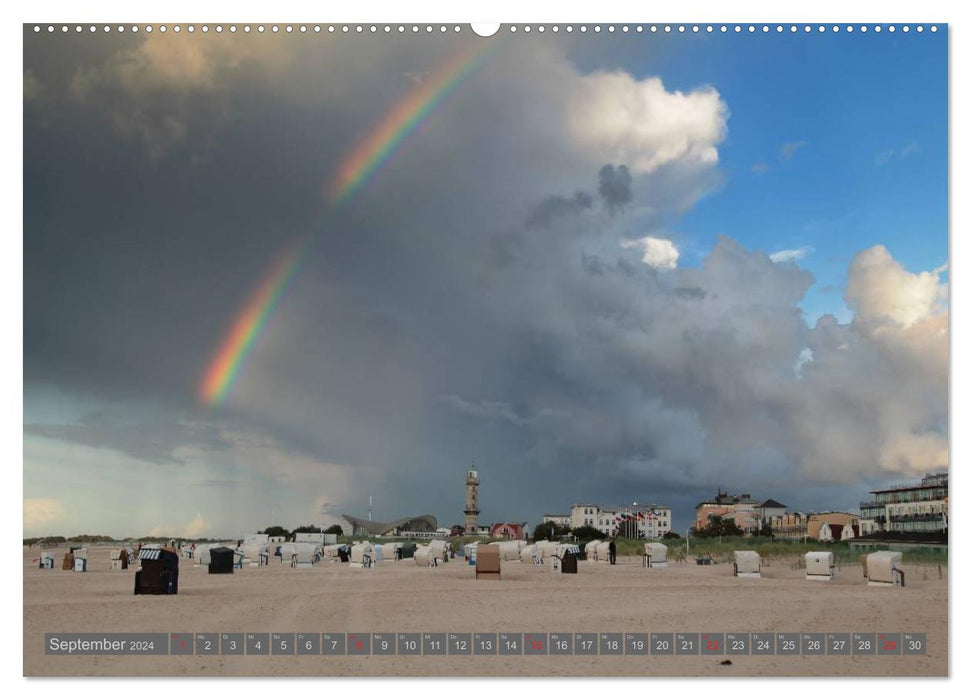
(916, 518)
(904, 497)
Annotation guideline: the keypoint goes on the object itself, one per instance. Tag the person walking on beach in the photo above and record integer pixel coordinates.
(612, 550)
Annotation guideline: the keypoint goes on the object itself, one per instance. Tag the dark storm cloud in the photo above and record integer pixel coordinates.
(493, 410)
(556, 206)
(220, 483)
(690, 292)
(615, 186)
(458, 311)
(592, 264)
(153, 440)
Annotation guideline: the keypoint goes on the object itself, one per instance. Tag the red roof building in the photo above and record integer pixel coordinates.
(508, 531)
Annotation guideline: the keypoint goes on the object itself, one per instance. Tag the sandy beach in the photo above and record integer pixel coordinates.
(402, 597)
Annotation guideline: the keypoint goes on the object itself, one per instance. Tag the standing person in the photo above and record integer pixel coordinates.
(612, 550)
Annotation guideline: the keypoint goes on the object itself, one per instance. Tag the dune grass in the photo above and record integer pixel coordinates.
(783, 551)
(776, 552)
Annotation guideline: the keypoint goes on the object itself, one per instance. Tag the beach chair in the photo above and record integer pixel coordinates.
(487, 563)
(564, 559)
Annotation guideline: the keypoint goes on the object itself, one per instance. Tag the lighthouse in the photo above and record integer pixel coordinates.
(471, 501)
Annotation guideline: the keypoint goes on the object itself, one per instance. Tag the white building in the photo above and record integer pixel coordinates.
(910, 508)
(564, 520)
(767, 510)
(648, 522)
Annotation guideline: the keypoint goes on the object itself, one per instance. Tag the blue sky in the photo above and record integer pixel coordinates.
(867, 148)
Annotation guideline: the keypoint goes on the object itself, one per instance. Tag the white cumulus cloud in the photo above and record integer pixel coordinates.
(39, 512)
(658, 252)
(915, 452)
(641, 124)
(791, 254)
(879, 289)
(197, 527)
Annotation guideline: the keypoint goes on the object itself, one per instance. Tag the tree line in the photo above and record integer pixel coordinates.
(585, 533)
(719, 526)
(280, 531)
(272, 531)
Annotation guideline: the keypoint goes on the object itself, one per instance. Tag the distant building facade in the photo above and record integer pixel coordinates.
(790, 526)
(770, 509)
(917, 508)
(557, 519)
(636, 521)
(370, 528)
(740, 507)
(833, 526)
(827, 527)
(508, 531)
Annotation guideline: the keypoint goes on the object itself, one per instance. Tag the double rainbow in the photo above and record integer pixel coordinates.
(356, 170)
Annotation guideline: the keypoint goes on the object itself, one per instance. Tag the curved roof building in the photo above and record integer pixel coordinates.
(414, 523)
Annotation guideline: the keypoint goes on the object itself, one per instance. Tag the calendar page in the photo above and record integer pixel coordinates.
(543, 349)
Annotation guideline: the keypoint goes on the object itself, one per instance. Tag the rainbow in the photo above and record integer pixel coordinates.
(360, 165)
(384, 140)
(225, 366)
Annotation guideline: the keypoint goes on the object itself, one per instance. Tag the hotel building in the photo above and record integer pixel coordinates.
(914, 508)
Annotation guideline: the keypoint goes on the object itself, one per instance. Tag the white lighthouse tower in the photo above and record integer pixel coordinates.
(471, 501)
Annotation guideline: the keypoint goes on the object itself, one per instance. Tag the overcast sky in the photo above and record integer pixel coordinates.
(603, 269)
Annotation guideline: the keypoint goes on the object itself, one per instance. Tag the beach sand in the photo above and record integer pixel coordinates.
(402, 597)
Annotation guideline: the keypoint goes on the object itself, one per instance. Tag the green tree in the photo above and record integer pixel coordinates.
(306, 528)
(671, 535)
(550, 531)
(335, 530)
(585, 533)
(717, 527)
(276, 531)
